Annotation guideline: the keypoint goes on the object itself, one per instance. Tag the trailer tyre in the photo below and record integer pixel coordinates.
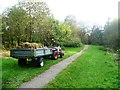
(55, 55)
(40, 62)
(22, 61)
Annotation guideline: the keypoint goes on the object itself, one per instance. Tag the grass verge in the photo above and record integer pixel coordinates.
(14, 75)
(94, 69)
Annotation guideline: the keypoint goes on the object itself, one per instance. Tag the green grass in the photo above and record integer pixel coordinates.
(13, 75)
(94, 69)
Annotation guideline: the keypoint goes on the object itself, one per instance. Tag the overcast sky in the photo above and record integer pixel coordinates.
(88, 11)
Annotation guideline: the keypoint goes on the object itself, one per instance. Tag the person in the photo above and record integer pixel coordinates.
(52, 42)
(45, 43)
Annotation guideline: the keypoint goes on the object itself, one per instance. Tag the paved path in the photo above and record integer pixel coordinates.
(43, 79)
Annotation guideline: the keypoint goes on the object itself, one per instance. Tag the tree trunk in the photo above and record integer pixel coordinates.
(18, 41)
(12, 41)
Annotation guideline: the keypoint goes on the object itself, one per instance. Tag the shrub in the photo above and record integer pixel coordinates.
(75, 42)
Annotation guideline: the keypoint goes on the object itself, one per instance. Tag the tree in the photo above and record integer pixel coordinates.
(28, 21)
(96, 36)
(14, 24)
(74, 38)
(38, 24)
(71, 20)
(111, 34)
(83, 34)
(1, 33)
(60, 31)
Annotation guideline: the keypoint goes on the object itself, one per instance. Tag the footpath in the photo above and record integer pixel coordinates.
(43, 79)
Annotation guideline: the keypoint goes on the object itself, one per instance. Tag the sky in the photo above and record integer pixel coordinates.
(86, 11)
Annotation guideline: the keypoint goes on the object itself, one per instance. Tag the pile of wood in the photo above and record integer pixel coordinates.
(30, 45)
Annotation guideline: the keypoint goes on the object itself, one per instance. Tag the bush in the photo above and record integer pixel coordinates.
(75, 42)
(103, 48)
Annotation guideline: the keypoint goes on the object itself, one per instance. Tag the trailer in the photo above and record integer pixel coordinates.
(35, 55)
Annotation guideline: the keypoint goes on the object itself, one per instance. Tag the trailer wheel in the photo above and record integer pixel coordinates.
(61, 54)
(22, 61)
(40, 62)
(55, 55)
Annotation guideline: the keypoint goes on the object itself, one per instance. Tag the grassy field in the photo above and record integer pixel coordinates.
(13, 75)
(94, 69)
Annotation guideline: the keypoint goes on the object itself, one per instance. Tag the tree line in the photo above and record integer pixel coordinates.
(33, 22)
(107, 36)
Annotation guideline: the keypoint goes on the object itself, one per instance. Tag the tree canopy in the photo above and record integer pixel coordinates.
(32, 21)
